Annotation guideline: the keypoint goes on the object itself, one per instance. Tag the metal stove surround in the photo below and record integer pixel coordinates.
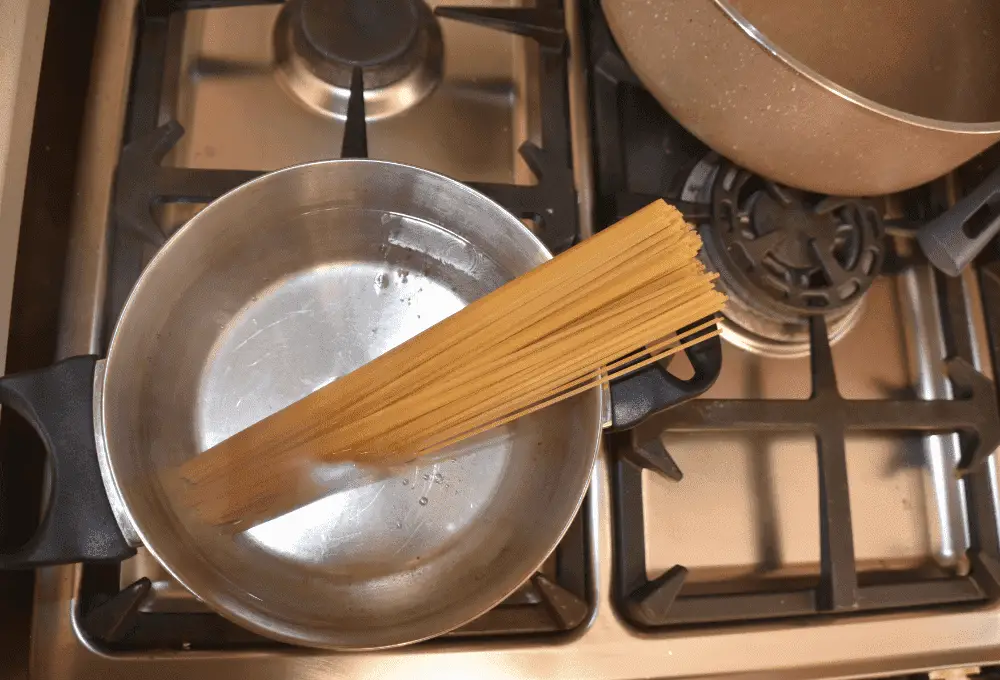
(606, 646)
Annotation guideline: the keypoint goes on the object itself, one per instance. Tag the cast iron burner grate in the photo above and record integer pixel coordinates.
(114, 617)
(973, 414)
(642, 154)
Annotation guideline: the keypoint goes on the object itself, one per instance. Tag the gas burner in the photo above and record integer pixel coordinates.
(396, 43)
(803, 253)
(783, 255)
(746, 327)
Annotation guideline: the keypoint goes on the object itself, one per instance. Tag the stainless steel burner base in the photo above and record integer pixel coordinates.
(760, 335)
(386, 93)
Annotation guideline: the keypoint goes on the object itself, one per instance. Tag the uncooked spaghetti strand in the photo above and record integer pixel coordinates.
(404, 389)
(666, 296)
(603, 309)
(526, 394)
(572, 393)
(486, 396)
(514, 329)
(510, 374)
(544, 394)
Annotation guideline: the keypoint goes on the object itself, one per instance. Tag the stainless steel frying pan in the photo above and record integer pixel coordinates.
(275, 289)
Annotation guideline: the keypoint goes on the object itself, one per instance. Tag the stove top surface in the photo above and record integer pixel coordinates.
(801, 509)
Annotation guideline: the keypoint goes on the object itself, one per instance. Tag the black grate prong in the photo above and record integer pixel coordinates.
(986, 572)
(824, 376)
(355, 143)
(652, 455)
(135, 189)
(650, 604)
(565, 608)
(113, 619)
(142, 182)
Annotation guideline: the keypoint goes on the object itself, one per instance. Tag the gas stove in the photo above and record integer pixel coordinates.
(803, 519)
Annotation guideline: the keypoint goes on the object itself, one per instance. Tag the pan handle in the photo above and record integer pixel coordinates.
(639, 395)
(953, 239)
(78, 524)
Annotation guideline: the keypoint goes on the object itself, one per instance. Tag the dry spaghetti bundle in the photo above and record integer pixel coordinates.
(630, 295)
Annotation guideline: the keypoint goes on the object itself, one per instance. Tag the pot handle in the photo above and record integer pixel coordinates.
(953, 239)
(637, 396)
(78, 524)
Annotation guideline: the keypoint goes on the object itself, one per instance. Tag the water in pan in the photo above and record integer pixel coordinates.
(313, 326)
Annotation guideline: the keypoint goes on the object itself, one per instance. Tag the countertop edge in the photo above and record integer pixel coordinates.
(22, 38)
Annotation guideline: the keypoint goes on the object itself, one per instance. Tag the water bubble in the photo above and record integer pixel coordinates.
(385, 218)
(438, 478)
(423, 500)
(405, 482)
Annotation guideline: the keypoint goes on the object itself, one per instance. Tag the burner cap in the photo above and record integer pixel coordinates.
(790, 252)
(396, 43)
(361, 33)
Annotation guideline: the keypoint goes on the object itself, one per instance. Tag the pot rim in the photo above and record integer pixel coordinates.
(844, 93)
